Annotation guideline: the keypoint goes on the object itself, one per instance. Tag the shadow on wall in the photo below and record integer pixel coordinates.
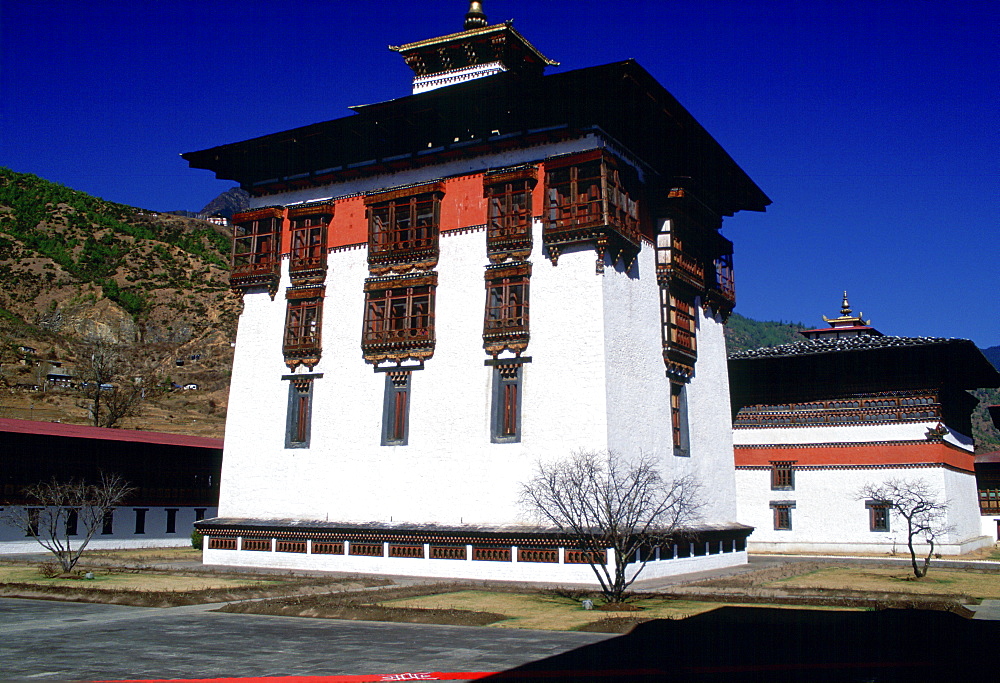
(766, 644)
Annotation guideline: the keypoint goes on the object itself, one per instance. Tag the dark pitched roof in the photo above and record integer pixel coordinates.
(491, 114)
(814, 346)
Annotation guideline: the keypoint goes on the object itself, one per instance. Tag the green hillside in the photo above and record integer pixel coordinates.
(743, 334)
(76, 268)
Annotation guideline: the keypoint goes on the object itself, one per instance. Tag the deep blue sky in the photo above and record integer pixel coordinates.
(873, 126)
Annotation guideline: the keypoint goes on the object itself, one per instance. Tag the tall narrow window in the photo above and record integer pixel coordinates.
(682, 325)
(199, 514)
(108, 523)
(140, 520)
(396, 409)
(72, 521)
(171, 521)
(299, 416)
(34, 515)
(679, 419)
(506, 414)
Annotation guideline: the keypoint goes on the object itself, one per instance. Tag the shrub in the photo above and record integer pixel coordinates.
(49, 570)
(197, 540)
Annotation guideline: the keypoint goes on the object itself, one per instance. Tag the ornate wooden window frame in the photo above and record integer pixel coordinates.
(509, 213)
(879, 512)
(256, 254)
(592, 197)
(307, 262)
(679, 422)
(298, 420)
(302, 342)
(399, 318)
(505, 325)
(404, 228)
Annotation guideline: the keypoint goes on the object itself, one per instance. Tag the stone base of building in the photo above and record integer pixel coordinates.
(891, 549)
(501, 554)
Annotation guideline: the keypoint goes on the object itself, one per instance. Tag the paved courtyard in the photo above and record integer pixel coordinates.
(62, 640)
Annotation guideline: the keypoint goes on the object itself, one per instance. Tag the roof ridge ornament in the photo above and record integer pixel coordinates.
(846, 319)
(475, 17)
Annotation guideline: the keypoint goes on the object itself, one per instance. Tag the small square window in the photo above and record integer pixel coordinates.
(782, 476)
(878, 515)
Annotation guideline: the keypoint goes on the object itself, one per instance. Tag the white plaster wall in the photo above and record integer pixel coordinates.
(990, 526)
(710, 422)
(910, 431)
(827, 515)
(13, 540)
(449, 472)
(464, 569)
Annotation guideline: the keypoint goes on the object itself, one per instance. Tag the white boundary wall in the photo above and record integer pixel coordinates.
(13, 540)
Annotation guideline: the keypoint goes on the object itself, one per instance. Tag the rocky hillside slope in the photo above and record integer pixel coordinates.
(75, 269)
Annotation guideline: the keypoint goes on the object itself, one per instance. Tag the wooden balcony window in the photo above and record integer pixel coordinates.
(256, 247)
(308, 243)
(302, 324)
(574, 196)
(586, 193)
(508, 222)
(507, 304)
(399, 315)
(403, 229)
(681, 324)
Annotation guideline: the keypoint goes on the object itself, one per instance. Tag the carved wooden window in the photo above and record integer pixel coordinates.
(308, 230)
(299, 413)
(506, 414)
(509, 212)
(399, 317)
(506, 320)
(403, 228)
(507, 304)
(574, 196)
(782, 476)
(396, 409)
(679, 419)
(256, 246)
(682, 323)
(302, 324)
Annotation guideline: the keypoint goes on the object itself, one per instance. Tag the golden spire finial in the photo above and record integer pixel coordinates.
(475, 17)
(845, 308)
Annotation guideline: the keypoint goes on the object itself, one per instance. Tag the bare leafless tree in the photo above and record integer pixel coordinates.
(603, 500)
(916, 502)
(64, 516)
(116, 381)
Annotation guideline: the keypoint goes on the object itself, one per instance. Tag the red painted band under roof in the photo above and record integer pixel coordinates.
(105, 434)
(859, 454)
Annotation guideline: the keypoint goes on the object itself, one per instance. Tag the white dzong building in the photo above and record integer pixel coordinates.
(442, 290)
(816, 420)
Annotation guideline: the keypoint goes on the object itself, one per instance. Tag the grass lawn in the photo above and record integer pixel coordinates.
(144, 554)
(144, 581)
(897, 580)
(546, 611)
